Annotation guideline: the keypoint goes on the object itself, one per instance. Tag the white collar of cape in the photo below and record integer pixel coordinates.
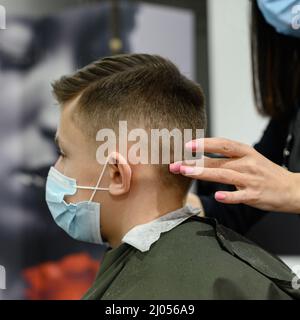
(144, 235)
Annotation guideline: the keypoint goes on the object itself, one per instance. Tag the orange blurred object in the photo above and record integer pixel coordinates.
(67, 279)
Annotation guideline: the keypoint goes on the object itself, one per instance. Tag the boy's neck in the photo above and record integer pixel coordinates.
(141, 212)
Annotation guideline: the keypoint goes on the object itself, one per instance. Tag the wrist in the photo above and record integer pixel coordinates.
(294, 193)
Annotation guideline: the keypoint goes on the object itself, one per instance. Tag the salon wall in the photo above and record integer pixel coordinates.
(233, 114)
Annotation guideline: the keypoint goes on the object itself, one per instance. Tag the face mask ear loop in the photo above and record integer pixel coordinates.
(99, 180)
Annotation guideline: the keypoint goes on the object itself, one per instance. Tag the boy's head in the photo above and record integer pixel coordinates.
(145, 90)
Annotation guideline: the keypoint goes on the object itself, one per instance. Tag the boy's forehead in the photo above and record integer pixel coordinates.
(67, 131)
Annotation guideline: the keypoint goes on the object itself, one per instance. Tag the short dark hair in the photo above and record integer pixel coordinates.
(142, 89)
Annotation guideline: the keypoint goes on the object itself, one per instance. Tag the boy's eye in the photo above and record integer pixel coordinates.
(60, 153)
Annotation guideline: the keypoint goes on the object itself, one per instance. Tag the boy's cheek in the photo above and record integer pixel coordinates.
(58, 164)
(80, 195)
(71, 199)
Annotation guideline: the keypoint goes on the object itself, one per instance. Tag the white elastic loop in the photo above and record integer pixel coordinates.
(99, 180)
(92, 188)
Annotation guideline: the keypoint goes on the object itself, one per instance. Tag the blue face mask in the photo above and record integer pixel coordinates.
(81, 220)
(283, 15)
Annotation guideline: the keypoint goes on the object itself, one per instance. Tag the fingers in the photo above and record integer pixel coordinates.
(207, 163)
(175, 167)
(217, 162)
(226, 176)
(226, 147)
(233, 197)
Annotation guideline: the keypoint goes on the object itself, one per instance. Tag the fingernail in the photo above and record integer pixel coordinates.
(220, 196)
(191, 145)
(174, 167)
(187, 170)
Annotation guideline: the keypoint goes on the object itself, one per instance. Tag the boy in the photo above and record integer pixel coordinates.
(159, 248)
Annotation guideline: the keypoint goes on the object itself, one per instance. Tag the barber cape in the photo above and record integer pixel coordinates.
(183, 256)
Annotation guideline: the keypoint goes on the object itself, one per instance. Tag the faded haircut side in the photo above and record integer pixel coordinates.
(147, 91)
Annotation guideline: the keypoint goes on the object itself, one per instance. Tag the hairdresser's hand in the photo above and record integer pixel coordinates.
(259, 182)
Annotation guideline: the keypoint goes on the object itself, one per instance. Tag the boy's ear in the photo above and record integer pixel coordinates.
(120, 174)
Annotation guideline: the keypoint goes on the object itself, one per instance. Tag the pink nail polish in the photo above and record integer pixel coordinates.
(174, 167)
(220, 196)
(187, 170)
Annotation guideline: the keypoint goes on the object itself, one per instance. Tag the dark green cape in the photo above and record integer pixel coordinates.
(199, 259)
